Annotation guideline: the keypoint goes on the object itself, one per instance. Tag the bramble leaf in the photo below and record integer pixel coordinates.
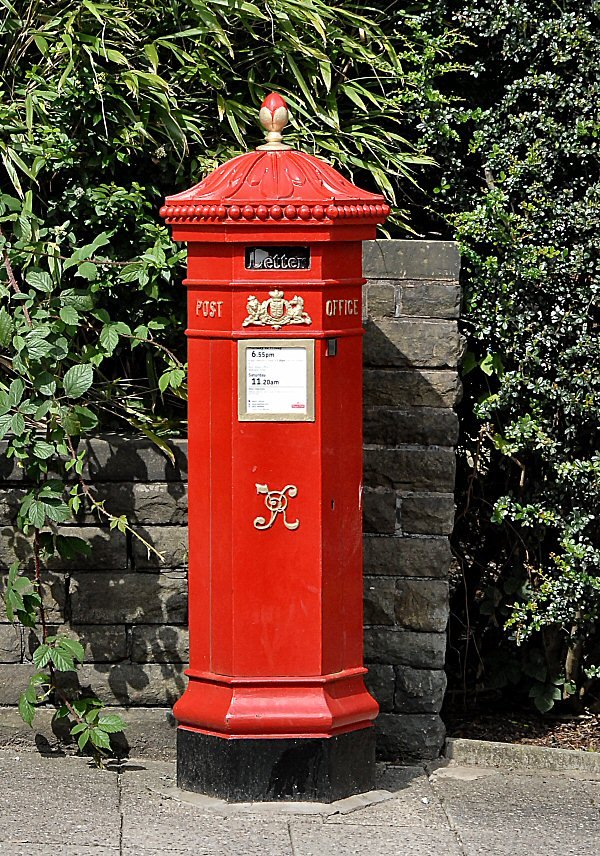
(78, 380)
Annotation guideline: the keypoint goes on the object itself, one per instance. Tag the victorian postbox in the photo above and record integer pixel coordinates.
(276, 706)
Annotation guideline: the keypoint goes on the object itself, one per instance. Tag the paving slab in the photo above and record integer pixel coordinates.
(64, 806)
(155, 823)
(511, 813)
(207, 836)
(486, 797)
(558, 841)
(412, 802)
(56, 801)
(353, 839)
(16, 848)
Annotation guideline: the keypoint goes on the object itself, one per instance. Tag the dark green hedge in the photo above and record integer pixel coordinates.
(519, 185)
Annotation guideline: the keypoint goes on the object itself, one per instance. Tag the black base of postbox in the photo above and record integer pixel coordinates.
(302, 769)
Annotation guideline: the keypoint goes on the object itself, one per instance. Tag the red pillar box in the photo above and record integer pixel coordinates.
(276, 706)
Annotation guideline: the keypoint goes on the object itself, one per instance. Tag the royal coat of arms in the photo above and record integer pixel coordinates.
(276, 312)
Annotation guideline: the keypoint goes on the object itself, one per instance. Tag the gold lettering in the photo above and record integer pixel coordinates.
(209, 308)
(341, 307)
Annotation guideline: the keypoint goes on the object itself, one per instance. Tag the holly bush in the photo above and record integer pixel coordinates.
(518, 184)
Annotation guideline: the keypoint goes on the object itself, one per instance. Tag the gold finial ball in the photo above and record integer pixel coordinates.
(274, 116)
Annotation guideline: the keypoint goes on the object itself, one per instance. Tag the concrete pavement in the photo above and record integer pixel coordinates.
(62, 805)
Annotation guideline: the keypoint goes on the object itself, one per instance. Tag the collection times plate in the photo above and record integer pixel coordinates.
(276, 381)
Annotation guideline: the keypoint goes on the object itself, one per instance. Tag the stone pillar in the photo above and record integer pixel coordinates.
(412, 348)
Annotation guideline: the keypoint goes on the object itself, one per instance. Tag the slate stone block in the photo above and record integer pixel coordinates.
(109, 549)
(381, 298)
(379, 600)
(130, 683)
(152, 643)
(14, 545)
(113, 598)
(102, 643)
(14, 678)
(407, 557)
(422, 604)
(380, 683)
(152, 503)
(419, 690)
(405, 647)
(428, 514)
(429, 299)
(403, 342)
(117, 457)
(421, 426)
(411, 388)
(12, 643)
(410, 468)
(408, 738)
(10, 498)
(379, 511)
(170, 541)
(398, 259)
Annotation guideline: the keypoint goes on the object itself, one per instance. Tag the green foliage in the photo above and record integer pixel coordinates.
(520, 185)
(91, 724)
(105, 108)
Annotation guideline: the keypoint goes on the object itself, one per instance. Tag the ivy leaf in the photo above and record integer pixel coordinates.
(78, 380)
(87, 419)
(70, 547)
(173, 378)
(487, 365)
(80, 299)
(70, 422)
(131, 272)
(58, 512)
(544, 696)
(24, 227)
(152, 54)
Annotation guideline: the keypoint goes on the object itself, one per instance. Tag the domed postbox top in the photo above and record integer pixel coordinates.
(275, 183)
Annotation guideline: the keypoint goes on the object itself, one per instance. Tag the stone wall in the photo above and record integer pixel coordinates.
(411, 353)
(130, 610)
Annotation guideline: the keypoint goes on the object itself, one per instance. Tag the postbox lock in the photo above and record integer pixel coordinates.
(274, 116)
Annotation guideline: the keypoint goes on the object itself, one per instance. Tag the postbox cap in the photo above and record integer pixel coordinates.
(275, 183)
